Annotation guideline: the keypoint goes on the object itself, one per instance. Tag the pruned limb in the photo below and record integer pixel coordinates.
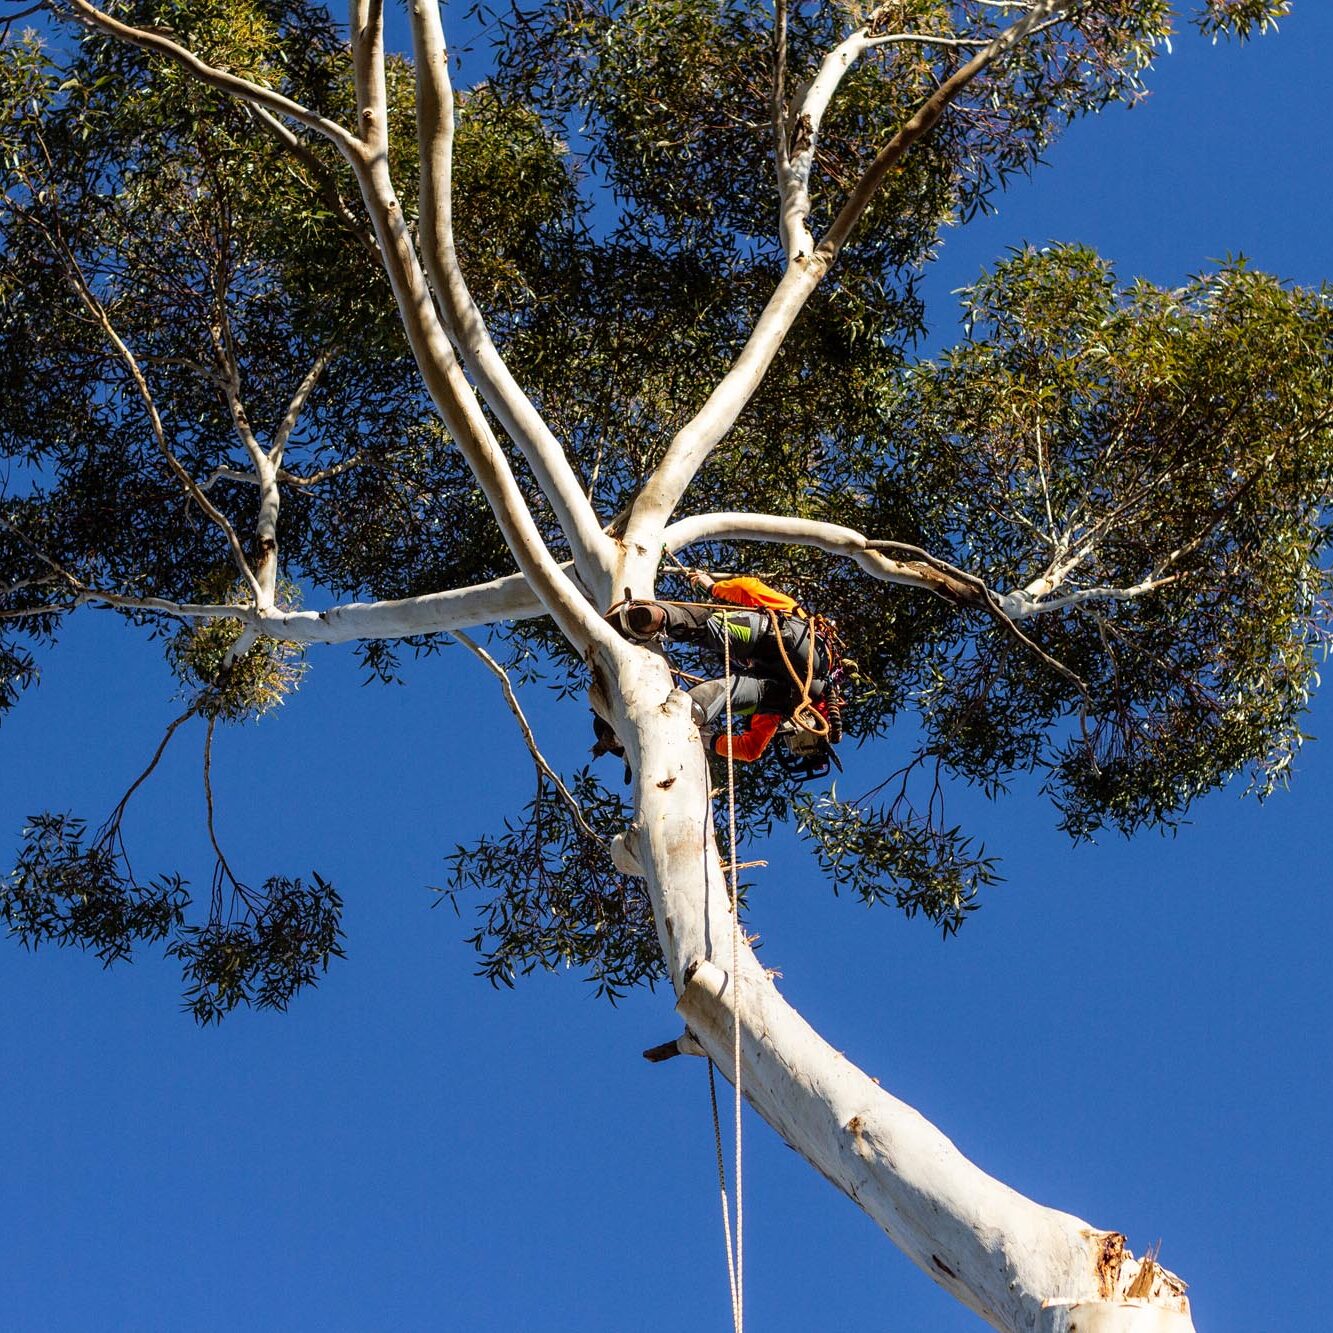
(685, 1044)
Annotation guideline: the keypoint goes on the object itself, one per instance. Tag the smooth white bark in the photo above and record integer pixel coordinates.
(1018, 1264)
(593, 551)
(693, 443)
(777, 528)
(1016, 603)
(1001, 1254)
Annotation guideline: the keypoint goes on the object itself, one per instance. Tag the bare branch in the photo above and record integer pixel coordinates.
(925, 118)
(292, 478)
(830, 537)
(27, 583)
(119, 812)
(328, 473)
(95, 308)
(531, 741)
(1084, 595)
(265, 471)
(372, 102)
(701, 434)
(209, 807)
(408, 617)
(297, 404)
(502, 599)
(228, 474)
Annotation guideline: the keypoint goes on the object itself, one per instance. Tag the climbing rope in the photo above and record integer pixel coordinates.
(736, 1257)
(805, 715)
(722, 1186)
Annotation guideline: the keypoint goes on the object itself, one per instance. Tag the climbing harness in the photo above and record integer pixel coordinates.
(809, 733)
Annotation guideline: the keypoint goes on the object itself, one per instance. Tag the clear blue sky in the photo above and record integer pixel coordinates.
(1137, 1032)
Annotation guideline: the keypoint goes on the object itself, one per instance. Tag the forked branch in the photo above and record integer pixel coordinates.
(693, 443)
(522, 422)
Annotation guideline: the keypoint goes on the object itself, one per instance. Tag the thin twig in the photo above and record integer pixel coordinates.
(127, 357)
(991, 604)
(208, 805)
(113, 823)
(538, 758)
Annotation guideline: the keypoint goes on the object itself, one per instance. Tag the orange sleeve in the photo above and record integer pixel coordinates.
(749, 745)
(745, 591)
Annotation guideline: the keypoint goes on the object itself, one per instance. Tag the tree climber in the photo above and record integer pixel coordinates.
(781, 660)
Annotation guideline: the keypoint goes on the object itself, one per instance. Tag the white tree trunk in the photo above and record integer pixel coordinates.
(1019, 1265)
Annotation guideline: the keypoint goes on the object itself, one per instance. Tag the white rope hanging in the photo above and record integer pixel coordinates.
(736, 1248)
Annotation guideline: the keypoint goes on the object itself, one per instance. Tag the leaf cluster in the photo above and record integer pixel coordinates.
(72, 889)
(883, 854)
(240, 688)
(280, 944)
(1091, 437)
(551, 897)
(616, 214)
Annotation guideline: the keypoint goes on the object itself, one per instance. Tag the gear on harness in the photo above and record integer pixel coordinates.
(805, 756)
(786, 669)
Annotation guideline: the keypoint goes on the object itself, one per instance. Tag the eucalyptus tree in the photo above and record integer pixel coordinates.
(303, 346)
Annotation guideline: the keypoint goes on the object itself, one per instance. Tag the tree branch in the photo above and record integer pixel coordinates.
(924, 121)
(265, 473)
(327, 185)
(297, 405)
(191, 487)
(502, 599)
(254, 93)
(591, 549)
(830, 537)
(576, 810)
(700, 435)
(443, 376)
(372, 98)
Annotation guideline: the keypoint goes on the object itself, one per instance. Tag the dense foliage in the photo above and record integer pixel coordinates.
(174, 268)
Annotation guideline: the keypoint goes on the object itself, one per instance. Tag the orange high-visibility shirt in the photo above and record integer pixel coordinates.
(745, 591)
